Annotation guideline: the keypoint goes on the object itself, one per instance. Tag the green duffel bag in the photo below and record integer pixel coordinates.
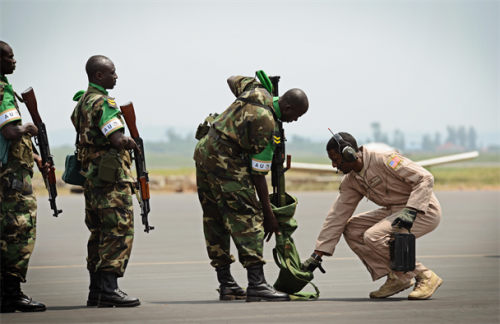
(291, 279)
(72, 169)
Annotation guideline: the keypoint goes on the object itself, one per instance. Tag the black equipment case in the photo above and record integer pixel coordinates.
(402, 247)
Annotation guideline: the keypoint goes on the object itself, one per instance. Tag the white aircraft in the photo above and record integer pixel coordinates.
(384, 147)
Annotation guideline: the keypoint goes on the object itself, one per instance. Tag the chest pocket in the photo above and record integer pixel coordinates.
(375, 181)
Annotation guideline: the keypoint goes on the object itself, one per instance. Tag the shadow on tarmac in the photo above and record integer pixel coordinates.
(193, 302)
(64, 308)
(370, 300)
(358, 300)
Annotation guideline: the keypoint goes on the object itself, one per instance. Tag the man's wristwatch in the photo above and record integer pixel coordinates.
(316, 257)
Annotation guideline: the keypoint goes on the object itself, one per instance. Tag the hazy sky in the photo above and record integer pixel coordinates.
(416, 66)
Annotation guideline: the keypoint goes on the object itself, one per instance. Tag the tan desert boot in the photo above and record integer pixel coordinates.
(425, 286)
(391, 287)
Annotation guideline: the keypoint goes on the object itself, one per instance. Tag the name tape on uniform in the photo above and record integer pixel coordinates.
(263, 166)
(8, 116)
(111, 126)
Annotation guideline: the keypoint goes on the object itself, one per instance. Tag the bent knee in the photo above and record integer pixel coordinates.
(371, 238)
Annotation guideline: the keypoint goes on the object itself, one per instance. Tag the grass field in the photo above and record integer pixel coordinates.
(175, 168)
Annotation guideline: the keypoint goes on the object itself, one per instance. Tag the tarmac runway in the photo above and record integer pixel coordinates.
(170, 272)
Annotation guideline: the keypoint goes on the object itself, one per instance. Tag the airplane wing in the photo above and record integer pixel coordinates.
(425, 163)
(449, 159)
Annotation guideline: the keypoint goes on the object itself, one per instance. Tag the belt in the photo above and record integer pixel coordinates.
(213, 134)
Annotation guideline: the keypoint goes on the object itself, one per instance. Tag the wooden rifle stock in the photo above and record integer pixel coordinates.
(43, 143)
(144, 188)
(30, 101)
(129, 114)
(140, 164)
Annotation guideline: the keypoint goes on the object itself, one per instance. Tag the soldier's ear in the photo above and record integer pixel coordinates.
(98, 75)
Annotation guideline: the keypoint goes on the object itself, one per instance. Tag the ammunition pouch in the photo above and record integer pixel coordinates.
(109, 165)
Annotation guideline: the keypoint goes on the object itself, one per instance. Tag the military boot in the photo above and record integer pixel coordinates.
(426, 285)
(258, 289)
(111, 295)
(14, 299)
(391, 287)
(229, 289)
(95, 288)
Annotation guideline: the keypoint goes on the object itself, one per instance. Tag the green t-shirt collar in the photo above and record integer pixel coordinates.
(4, 79)
(98, 88)
(277, 107)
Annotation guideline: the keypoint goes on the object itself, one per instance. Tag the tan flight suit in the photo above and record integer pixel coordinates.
(394, 182)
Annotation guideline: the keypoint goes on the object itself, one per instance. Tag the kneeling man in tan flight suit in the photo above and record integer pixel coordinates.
(403, 189)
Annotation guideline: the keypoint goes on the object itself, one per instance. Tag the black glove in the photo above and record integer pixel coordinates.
(405, 218)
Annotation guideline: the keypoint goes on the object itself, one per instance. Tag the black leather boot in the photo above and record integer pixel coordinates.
(13, 298)
(111, 295)
(229, 289)
(95, 288)
(258, 289)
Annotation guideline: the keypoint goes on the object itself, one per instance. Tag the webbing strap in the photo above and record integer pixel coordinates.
(255, 103)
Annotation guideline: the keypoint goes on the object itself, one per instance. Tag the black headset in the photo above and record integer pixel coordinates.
(348, 152)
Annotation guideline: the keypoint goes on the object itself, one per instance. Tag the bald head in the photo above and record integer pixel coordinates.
(101, 71)
(4, 48)
(96, 63)
(293, 104)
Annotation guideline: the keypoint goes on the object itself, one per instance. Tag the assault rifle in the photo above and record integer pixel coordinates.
(277, 169)
(43, 143)
(140, 164)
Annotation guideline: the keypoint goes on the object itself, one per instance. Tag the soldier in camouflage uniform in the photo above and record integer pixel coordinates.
(239, 138)
(108, 189)
(17, 200)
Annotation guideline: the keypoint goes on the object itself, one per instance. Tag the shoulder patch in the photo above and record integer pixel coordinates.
(394, 161)
(111, 102)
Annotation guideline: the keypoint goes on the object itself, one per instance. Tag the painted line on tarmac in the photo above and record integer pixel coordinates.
(206, 262)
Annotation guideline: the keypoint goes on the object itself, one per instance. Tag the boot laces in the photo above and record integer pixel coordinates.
(420, 282)
(120, 293)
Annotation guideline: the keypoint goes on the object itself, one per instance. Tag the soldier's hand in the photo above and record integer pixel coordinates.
(270, 226)
(44, 169)
(30, 128)
(132, 145)
(405, 218)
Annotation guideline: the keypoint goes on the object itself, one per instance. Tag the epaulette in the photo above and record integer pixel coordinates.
(111, 102)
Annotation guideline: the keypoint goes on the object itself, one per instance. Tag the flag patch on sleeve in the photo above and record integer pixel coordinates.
(394, 161)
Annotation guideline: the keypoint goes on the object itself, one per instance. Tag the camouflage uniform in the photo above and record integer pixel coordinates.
(18, 202)
(108, 206)
(225, 187)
